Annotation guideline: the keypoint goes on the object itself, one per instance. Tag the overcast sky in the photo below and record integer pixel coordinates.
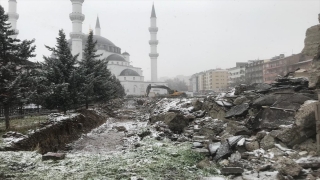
(193, 35)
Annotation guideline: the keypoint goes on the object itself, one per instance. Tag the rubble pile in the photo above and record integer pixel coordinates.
(254, 131)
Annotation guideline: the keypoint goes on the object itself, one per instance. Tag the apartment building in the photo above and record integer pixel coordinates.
(212, 80)
(254, 71)
(237, 74)
(281, 65)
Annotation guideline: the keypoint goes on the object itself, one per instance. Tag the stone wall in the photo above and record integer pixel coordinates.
(55, 135)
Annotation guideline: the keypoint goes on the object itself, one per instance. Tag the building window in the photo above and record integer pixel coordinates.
(134, 78)
(125, 78)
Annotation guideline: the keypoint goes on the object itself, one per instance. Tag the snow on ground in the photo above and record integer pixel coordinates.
(103, 153)
(56, 117)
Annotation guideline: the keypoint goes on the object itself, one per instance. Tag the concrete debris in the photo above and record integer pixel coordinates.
(255, 127)
(287, 166)
(238, 110)
(213, 147)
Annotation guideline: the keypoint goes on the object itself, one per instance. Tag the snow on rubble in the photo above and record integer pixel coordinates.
(175, 104)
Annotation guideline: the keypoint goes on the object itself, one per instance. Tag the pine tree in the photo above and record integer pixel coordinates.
(60, 73)
(88, 71)
(14, 66)
(97, 83)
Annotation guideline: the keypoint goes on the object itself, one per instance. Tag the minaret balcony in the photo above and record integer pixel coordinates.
(13, 15)
(76, 35)
(153, 42)
(153, 29)
(77, 1)
(76, 16)
(154, 55)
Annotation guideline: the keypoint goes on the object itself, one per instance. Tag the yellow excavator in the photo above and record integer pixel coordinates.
(171, 93)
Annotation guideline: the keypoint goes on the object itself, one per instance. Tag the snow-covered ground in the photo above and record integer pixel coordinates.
(108, 152)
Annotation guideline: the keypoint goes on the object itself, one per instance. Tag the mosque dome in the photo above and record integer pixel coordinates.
(129, 72)
(126, 53)
(102, 44)
(101, 40)
(115, 57)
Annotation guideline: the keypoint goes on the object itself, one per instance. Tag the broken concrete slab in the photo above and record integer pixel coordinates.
(224, 150)
(272, 119)
(272, 99)
(234, 140)
(213, 147)
(239, 110)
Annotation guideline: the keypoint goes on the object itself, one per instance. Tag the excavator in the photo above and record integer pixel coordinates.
(171, 93)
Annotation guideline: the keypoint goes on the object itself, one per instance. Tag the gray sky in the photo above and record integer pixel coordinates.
(193, 35)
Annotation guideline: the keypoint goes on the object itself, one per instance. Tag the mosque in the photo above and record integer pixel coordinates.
(119, 64)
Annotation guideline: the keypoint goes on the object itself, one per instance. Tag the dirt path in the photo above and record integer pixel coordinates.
(111, 136)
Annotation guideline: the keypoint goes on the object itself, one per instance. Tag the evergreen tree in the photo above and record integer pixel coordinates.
(97, 82)
(60, 72)
(14, 63)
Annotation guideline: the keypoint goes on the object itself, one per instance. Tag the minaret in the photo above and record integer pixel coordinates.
(76, 35)
(13, 16)
(98, 29)
(153, 45)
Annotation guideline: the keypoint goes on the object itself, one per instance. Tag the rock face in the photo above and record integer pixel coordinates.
(312, 41)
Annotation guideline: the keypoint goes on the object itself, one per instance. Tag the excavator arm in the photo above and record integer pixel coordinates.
(170, 91)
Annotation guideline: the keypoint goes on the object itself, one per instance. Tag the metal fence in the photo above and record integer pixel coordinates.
(20, 112)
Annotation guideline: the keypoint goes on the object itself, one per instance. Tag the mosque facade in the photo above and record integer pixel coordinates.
(119, 64)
